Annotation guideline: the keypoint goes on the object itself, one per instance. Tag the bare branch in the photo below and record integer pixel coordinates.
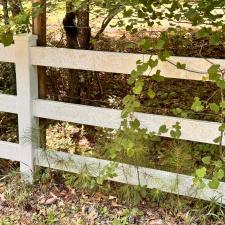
(107, 20)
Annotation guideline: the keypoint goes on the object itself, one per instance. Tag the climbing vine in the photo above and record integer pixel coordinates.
(208, 19)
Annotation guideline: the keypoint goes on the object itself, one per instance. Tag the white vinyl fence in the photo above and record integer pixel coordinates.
(29, 108)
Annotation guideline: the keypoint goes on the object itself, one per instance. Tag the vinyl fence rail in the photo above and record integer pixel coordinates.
(27, 56)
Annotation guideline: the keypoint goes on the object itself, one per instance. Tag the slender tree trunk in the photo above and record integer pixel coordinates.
(39, 29)
(82, 41)
(84, 31)
(80, 81)
(71, 42)
(73, 75)
(84, 36)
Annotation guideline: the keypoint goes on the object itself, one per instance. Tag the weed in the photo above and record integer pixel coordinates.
(4, 221)
(156, 195)
(51, 218)
(132, 195)
(128, 217)
(103, 211)
(82, 180)
(79, 222)
(178, 157)
(17, 191)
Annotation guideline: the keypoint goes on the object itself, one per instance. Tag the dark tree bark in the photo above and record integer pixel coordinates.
(78, 79)
(71, 40)
(84, 31)
(39, 29)
(73, 75)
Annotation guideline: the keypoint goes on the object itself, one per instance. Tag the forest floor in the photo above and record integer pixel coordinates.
(56, 203)
(71, 207)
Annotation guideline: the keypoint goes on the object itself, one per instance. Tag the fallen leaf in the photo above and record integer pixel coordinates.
(51, 201)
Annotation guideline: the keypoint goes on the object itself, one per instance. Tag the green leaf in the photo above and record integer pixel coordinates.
(217, 140)
(213, 72)
(163, 56)
(214, 184)
(215, 39)
(219, 174)
(163, 129)
(22, 19)
(139, 62)
(178, 110)
(176, 132)
(160, 44)
(130, 152)
(145, 44)
(151, 94)
(203, 32)
(153, 63)
(181, 66)
(6, 38)
(127, 99)
(135, 124)
(201, 172)
(138, 87)
(222, 105)
(197, 105)
(206, 160)
(157, 77)
(127, 144)
(222, 127)
(214, 107)
(130, 105)
(220, 83)
(152, 135)
(128, 13)
(142, 68)
(133, 77)
(218, 163)
(199, 182)
(136, 104)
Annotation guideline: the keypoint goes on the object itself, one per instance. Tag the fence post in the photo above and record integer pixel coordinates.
(27, 90)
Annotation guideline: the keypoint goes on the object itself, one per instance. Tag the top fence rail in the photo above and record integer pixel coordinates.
(112, 62)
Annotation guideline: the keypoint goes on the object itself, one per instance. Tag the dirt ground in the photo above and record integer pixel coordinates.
(59, 204)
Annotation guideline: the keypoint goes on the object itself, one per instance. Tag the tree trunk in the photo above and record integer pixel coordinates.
(39, 29)
(80, 79)
(83, 38)
(71, 42)
(84, 31)
(73, 75)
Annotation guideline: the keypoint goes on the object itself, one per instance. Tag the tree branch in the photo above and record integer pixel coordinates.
(107, 20)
